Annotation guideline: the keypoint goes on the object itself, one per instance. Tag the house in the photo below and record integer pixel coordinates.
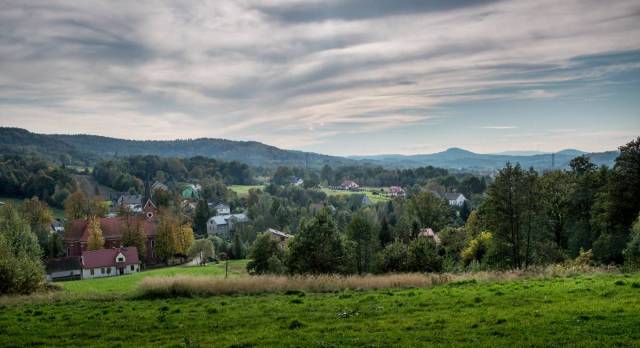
(63, 268)
(110, 262)
(57, 226)
(428, 233)
(224, 225)
(396, 191)
(159, 186)
(191, 191)
(131, 202)
(280, 236)
(455, 199)
(222, 209)
(296, 181)
(76, 235)
(349, 185)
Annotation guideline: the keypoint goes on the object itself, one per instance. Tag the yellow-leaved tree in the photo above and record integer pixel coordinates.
(96, 241)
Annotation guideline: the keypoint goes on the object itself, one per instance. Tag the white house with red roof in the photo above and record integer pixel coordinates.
(349, 185)
(110, 262)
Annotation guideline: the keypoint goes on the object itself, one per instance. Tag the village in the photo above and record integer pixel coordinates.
(115, 259)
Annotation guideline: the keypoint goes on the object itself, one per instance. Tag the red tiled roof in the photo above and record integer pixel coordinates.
(111, 228)
(107, 257)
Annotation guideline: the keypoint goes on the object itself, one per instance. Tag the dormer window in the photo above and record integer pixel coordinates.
(120, 259)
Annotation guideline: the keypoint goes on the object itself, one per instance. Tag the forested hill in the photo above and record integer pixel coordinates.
(455, 158)
(88, 147)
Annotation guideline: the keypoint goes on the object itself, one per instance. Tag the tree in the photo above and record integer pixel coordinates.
(477, 247)
(133, 235)
(430, 210)
(317, 248)
(184, 240)
(362, 231)
(166, 235)
(422, 256)
(632, 251)
(394, 257)
(38, 216)
(21, 270)
(75, 207)
(202, 249)
(261, 253)
(201, 217)
(386, 235)
(504, 212)
(95, 241)
(238, 248)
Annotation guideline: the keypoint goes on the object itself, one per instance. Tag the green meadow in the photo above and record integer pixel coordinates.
(590, 310)
(128, 284)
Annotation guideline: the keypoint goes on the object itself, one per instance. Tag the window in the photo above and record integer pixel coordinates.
(102, 271)
(132, 268)
(120, 259)
(109, 270)
(92, 272)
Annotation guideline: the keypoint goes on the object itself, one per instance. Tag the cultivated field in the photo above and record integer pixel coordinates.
(243, 190)
(589, 310)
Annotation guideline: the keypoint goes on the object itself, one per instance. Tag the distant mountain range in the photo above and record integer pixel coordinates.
(90, 148)
(456, 158)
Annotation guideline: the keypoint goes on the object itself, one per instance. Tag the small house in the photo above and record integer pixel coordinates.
(131, 202)
(428, 233)
(191, 191)
(349, 185)
(158, 186)
(110, 262)
(455, 199)
(222, 209)
(396, 191)
(280, 236)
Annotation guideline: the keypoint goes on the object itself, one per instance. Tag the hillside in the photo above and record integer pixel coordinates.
(455, 158)
(88, 149)
(84, 147)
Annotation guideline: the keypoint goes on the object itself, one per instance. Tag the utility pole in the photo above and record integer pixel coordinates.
(553, 161)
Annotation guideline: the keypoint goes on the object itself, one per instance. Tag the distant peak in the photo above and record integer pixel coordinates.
(457, 150)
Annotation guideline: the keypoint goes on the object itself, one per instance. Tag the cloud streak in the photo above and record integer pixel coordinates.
(297, 74)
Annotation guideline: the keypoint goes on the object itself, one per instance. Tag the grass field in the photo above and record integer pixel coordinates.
(55, 212)
(128, 284)
(593, 310)
(243, 190)
(365, 191)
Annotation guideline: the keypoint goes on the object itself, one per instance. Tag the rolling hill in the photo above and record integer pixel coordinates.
(88, 149)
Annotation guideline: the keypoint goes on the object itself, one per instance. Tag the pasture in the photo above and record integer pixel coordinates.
(587, 310)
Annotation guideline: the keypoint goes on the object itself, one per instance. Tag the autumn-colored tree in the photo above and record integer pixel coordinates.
(75, 207)
(133, 234)
(166, 235)
(96, 241)
(184, 239)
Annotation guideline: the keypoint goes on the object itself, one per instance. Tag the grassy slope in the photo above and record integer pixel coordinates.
(127, 284)
(55, 212)
(243, 190)
(585, 311)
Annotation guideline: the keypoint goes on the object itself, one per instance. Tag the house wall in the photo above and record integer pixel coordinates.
(70, 274)
(98, 272)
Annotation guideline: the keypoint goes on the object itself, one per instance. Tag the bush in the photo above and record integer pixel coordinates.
(21, 270)
(394, 257)
(422, 256)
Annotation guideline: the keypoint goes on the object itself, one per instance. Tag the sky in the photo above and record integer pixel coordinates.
(352, 77)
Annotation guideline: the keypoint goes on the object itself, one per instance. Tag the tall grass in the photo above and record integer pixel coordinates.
(186, 286)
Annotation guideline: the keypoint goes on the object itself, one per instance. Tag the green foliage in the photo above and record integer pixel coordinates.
(202, 249)
(362, 231)
(422, 256)
(21, 271)
(263, 254)
(133, 235)
(477, 247)
(317, 248)
(632, 251)
(430, 210)
(394, 257)
(201, 217)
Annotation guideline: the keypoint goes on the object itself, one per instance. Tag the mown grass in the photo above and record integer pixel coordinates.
(243, 190)
(128, 284)
(365, 191)
(597, 310)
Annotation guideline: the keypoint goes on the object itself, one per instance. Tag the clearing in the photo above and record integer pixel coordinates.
(589, 310)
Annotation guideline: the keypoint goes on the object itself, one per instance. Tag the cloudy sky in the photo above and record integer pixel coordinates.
(336, 77)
